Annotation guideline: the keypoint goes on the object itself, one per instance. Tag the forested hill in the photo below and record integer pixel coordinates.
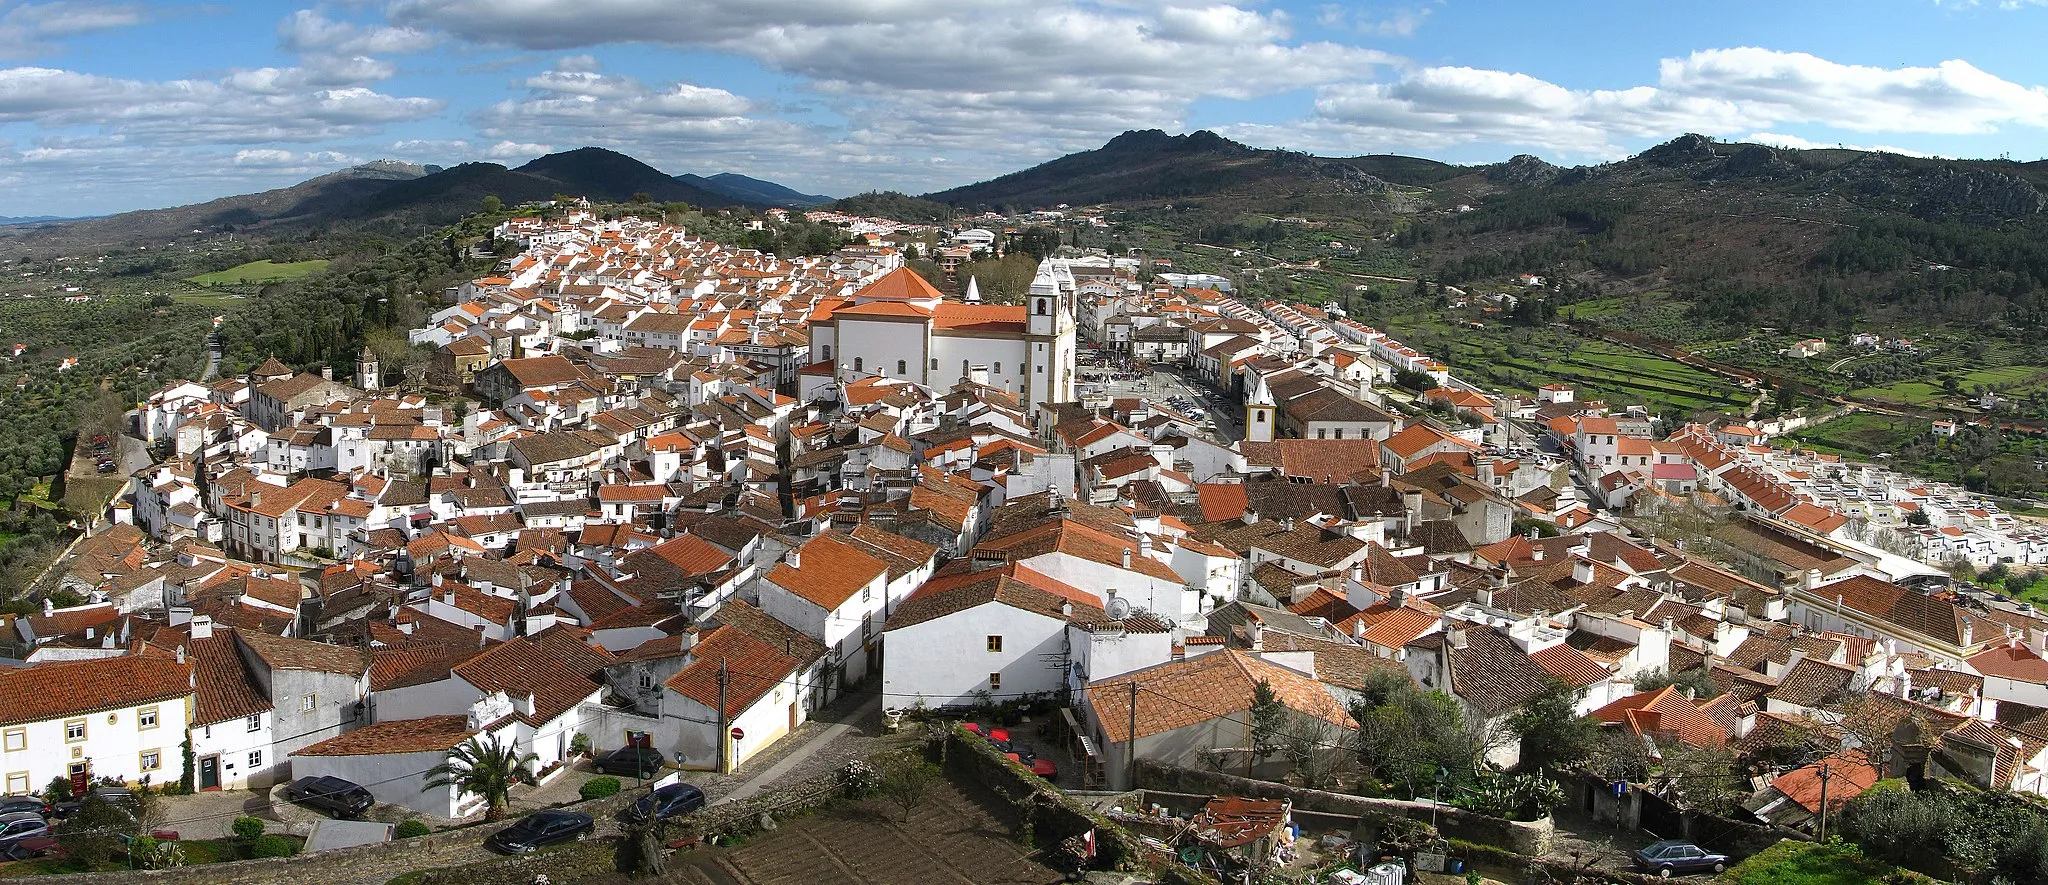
(1152, 165)
(1747, 235)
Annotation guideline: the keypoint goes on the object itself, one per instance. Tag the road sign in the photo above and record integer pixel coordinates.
(738, 733)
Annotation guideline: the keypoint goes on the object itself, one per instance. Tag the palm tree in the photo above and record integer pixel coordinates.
(482, 769)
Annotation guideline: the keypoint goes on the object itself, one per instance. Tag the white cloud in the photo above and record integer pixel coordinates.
(28, 28)
(980, 86)
(1775, 139)
(308, 32)
(512, 150)
(1716, 92)
(246, 107)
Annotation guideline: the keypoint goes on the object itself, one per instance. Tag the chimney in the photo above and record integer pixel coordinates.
(1582, 571)
(1127, 557)
(1811, 579)
(49, 607)
(1386, 478)
(1254, 632)
(795, 558)
(89, 632)
(449, 597)
(1066, 608)
(1397, 597)
(1969, 632)
(181, 654)
(1457, 638)
(1358, 629)
(482, 639)
(1250, 517)
(1667, 627)
(1483, 464)
(436, 580)
(201, 627)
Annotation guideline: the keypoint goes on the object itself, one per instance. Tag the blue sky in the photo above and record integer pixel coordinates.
(108, 105)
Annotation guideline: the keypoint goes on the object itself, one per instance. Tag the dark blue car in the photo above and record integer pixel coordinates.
(674, 800)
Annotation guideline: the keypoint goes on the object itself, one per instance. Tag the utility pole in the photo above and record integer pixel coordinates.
(1131, 746)
(724, 727)
(1824, 800)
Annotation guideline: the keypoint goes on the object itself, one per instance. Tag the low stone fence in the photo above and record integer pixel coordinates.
(743, 816)
(340, 864)
(1045, 816)
(578, 860)
(1522, 837)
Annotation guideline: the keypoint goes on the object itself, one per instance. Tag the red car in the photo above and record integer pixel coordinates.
(1039, 765)
(998, 735)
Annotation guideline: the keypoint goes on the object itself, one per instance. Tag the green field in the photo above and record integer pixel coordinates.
(264, 271)
(1912, 393)
(1861, 435)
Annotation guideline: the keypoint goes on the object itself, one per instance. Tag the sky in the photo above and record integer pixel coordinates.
(111, 105)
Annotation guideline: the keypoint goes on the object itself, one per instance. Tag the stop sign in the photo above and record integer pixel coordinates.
(738, 733)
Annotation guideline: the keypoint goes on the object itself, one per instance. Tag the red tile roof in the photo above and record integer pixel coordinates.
(423, 735)
(74, 688)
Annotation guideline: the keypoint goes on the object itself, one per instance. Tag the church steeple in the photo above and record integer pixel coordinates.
(973, 295)
(367, 376)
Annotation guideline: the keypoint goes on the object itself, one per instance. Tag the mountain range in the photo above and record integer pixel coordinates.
(397, 197)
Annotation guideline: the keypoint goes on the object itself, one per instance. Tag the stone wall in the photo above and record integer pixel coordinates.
(566, 864)
(1530, 837)
(342, 863)
(1045, 816)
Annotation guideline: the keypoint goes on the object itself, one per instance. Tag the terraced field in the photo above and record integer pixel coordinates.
(951, 838)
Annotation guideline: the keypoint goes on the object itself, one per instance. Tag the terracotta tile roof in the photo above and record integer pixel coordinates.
(72, 688)
(554, 666)
(1201, 689)
(423, 735)
(833, 568)
(1665, 711)
(2014, 661)
(1569, 664)
(738, 615)
(753, 668)
(225, 690)
(1849, 774)
(1813, 683)
(1014, 585)
(301, 654)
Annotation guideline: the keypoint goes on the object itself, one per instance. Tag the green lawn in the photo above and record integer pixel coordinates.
(1911, 393)
(1805, 863)
(1861, 434)
(265, 271)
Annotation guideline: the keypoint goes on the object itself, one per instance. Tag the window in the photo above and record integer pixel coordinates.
(995, 643)
(74, 731)
(256, 722)
(646, 680)
(828, 353)
(866, 593)
(152, 760)
(998, 369)
(1041, 307)
(857, 365)
(1041, 370)
(145, 718)
(1262, 416)
(17, 783)
(903, 367)
(995, 681)
(966, 368)
(307, 703)
(935, 364)
(1322, 434)
(255, 758)
(15, 739)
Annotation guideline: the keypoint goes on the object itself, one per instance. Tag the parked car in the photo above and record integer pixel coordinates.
(1673, 856)
(119, 797)
(541, 829)
(33, 846)
(12, 804)
(670, 801)
(1039, 766)
(333, 795)
(20, 825)
(631, 762)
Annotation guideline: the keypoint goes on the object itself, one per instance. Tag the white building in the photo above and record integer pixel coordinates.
(119, 717)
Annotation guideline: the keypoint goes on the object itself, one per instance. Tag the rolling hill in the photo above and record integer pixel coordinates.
(754, 190)
(394, 197)
(1151, 165)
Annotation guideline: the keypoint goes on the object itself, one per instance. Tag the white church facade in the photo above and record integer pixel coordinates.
(900, 326)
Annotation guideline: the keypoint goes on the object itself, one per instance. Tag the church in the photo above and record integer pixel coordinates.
(901, 326)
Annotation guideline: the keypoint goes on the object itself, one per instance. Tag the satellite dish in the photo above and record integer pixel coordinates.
(1119, 608)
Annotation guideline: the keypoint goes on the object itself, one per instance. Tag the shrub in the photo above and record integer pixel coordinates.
(409, 829)
(599, 787)
(275, 846)
(248, 828)
(859, 779)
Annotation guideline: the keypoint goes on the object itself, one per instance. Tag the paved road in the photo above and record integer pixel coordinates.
(1165, 382)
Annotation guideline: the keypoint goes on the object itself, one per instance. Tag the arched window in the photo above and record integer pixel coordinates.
(902, 367)
(857, 365)
(998, 369)
(1041, 307)
(935, 364)
(828, 353)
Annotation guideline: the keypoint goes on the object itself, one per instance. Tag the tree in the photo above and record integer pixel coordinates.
(483, 769)
(1553, 735)
(93, 833)
(640, 850)
(1269, 718)
(906, 778)
(1406, 737)
(1696, 682)
(492, 205)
